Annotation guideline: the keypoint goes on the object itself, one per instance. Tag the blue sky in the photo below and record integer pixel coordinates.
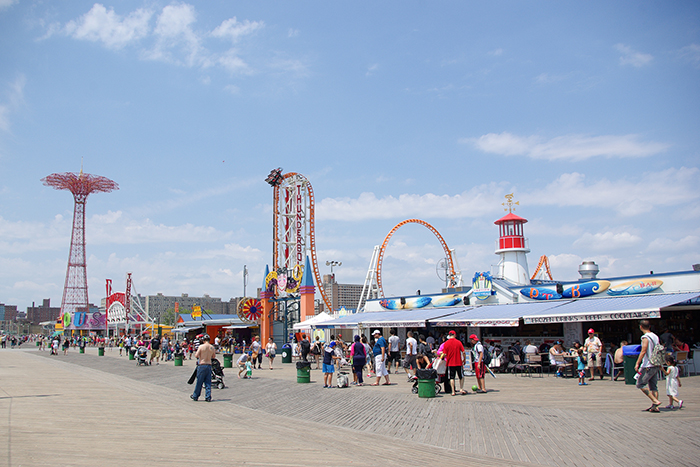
(588, 113)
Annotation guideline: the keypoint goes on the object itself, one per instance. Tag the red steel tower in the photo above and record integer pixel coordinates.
(75, 290)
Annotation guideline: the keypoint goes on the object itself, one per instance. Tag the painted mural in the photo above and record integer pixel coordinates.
(482, 285)
(635, 287)
(84, 321)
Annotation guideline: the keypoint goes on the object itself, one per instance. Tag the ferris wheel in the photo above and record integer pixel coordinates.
(294, 232)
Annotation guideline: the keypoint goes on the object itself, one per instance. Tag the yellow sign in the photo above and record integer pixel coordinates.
(196, 311)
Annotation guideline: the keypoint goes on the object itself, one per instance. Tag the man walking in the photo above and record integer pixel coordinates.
(204, 355)
(380, 356)
(593, 348)
(256, 348)
(647, 373)
(411, 352)
(155, 350)
(454, 356)
(394, 350)
(479, 365)
(305, 347)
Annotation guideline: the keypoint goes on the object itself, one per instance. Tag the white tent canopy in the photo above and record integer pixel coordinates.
(311, 321)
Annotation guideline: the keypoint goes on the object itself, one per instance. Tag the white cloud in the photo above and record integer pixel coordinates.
(607, 241)
(15, 98)
(632, 57)
(473, 203)
(7, 3)
(234, 30)
(113, 30)
(496, 52)
(568, 147)
(175, 37)
(691, 53)
(371, 69)
(689, 243)
(293, 32)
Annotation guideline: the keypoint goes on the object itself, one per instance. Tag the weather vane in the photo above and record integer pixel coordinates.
(509, 204)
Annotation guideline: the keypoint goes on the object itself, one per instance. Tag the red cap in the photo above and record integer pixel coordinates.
(591, 331)
(452, 333)
(473, 336)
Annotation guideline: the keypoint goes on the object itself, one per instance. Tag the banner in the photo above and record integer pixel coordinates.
(592, 317)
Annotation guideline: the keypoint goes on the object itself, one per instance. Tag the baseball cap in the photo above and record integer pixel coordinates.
(376, 331)
(452, 333)
(332, 344)
(591, 331)
(473, 336)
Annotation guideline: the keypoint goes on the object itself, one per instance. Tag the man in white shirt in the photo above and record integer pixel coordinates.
(529, 349)
(394, 351)
(411, 352)
(593, 348)
(647, 373)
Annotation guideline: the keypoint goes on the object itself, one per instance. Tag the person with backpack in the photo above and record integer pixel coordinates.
(305, 347)
(648, 364)
(479, 363)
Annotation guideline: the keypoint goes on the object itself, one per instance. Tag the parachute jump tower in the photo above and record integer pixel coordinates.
(75, 289)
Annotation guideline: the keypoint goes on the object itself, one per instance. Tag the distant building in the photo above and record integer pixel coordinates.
(45, 312)
(8, 312)
(341, 295)
(156, 305)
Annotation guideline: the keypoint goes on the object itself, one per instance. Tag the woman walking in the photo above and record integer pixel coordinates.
(359, 358)
(271, 349)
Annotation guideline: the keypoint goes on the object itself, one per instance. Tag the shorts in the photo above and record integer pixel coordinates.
(409, 361)
(328, 368)
(155, 353)
(379, 366)
(394, 356)
(455, 371)
(594, 362)
(650, 376)
(271, 354)
(479, 370)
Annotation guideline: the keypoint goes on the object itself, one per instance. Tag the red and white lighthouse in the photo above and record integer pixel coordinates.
(512, 247)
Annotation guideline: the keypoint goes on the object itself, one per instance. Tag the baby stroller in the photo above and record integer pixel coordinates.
(427, 373)
(217, 374)
(142, 356)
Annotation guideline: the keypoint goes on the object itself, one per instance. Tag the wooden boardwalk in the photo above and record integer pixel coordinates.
(80, 408)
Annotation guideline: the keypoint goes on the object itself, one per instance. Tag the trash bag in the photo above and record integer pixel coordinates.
(426, 373)
(301, 365)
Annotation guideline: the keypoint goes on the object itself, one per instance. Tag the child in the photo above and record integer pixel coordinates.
(581, 368)
(248, 370)
(329, 356)
(672, 382)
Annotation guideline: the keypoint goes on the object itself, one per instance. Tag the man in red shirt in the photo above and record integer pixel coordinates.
(454, 357)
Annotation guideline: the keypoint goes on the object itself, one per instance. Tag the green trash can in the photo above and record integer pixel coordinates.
(426, 388)
(178, 360)
(303, 372)
(100, 351)
(38, 343)
(132, 354)
(630, 353)
(286, 353)
(228, 360)
(82, 350)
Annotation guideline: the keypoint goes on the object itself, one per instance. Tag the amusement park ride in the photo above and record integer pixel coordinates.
(294, 244)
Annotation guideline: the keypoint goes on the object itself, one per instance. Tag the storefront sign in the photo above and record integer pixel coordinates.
(481, 285)
(592, 317)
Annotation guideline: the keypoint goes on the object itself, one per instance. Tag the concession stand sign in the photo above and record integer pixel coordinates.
(649, 314)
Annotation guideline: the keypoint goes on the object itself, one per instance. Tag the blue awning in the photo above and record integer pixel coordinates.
(408, 318)
(494, 315)
(353, 320)
(609, 308)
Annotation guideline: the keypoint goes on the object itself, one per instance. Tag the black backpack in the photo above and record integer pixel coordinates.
(305, 346)
(487, 355)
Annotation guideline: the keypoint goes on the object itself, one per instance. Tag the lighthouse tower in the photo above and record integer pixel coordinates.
(512, 246)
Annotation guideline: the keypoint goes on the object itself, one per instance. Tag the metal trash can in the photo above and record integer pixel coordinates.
(82, 349)
(100, 351)
(303, 372)
(286, 353)
(228, 360)
(132, 353)
(630, 353)
(426, 382)
(178, 360)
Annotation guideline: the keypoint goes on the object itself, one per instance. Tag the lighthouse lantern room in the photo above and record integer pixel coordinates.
(512, 246)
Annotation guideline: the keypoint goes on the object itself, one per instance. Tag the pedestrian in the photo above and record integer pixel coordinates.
(154, 347)
(359, 358)
(256, 348)
(305, 347)
(241, 362)
(271, 349)
(316, 351)
(647, 372)
(66, 344)
(672, 382)
(329, 356)
(204, 355)
(409, 363)
(454, 356)
(581, 367)
(394, 351)
(479, 364)
(380, 357)
(369, 359)
(593, 348)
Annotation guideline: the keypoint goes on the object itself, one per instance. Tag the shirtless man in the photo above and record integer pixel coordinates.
(205, 354)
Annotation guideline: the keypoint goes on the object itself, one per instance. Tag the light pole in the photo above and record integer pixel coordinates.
(245, 278)
(331, 264)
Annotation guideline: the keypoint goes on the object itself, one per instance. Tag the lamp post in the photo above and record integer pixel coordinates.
(331, 264)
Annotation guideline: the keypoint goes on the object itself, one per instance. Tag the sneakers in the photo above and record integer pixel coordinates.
(669, 406)
(208, 400)
(193, 398)
(583, 384)
(680, 404)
